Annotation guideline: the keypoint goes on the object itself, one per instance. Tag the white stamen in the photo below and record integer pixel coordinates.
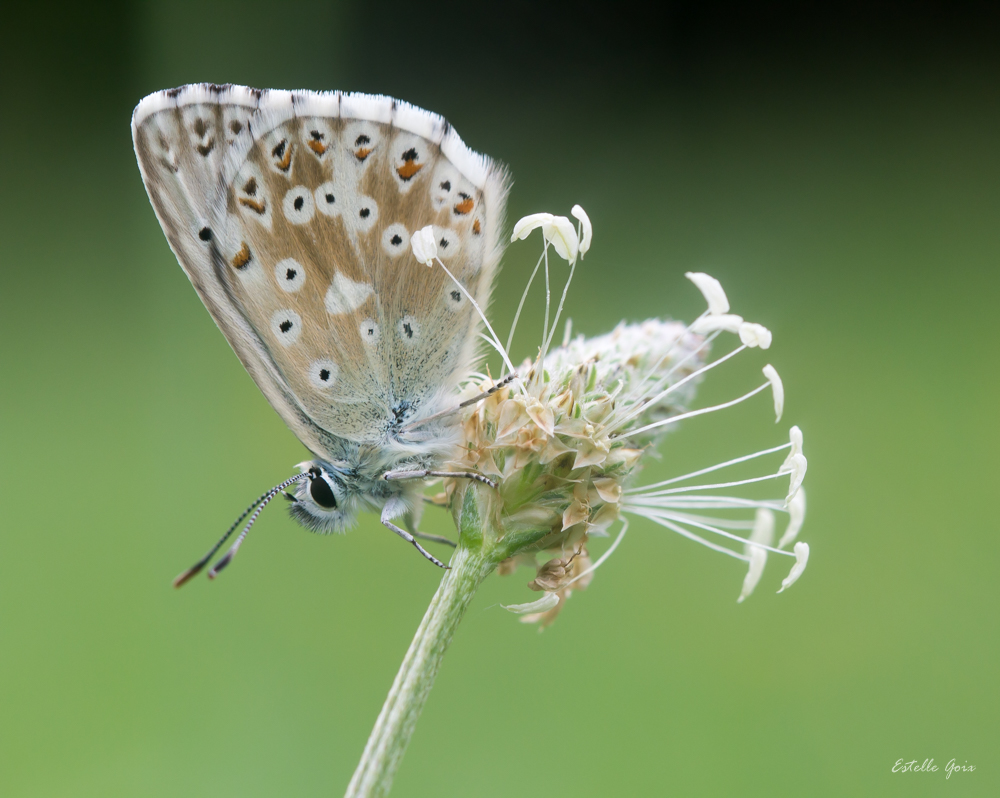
(528, 223)
(643, 404)
(729, 322)
(777, 389)
(755, 335)
(562, 235)
(586, 228)
(708, 470)
(524, 296)
(683, 361)
(718, 503)
(688, 534)
(798, 473)
(763, 532)
(424, 245)
(691, 521)
(557, 230)
(763, 527)
(796, 517)
(801, 558)
(496, 341)
(604, 556)
(544, 604)
(693, 413)
(714, 486)
(548, 307)
(758, 559)
(493, 344)
(795, 437)
(722, 523)
(567, 332)
(634, 404)
(559, 309)
(711, 289)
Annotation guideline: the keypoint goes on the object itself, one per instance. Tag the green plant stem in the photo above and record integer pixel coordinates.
(395, 724)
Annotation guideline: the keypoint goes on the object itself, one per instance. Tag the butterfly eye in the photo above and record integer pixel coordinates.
(321, 492)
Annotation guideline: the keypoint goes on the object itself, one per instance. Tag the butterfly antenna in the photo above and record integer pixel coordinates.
(228, 556)
(195, 569)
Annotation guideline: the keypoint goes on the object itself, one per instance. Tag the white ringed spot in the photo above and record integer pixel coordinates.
(323, 374)
(408, 330)
(326, 199)
(298, 205)
(454, 299)
(290, 274)
(448, 242)
(361, 214)
(395, 240)
(286, 326)
(369, 332)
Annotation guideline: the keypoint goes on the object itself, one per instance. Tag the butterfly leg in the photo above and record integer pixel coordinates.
(435, 539)
(412, 520)
(389, 475)
(391, 510)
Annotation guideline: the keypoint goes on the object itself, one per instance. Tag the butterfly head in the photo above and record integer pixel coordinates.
(328, 499)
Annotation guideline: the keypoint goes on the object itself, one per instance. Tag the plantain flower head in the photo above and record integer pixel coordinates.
(567, 434)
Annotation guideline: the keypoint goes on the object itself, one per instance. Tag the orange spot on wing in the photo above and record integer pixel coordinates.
(253, 205)
(317, 147)
(476, 227)
(465, 206)
(242, 258)
(409, 169)
(361, 153)
(285, 162)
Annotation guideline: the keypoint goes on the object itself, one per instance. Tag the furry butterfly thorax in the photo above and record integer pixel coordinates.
(291, 213)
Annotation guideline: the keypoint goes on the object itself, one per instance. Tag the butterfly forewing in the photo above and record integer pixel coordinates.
(292, 216)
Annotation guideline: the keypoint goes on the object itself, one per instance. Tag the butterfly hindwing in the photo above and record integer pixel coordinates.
(292, 214)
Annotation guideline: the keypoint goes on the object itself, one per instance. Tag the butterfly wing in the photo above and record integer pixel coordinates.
(292, 214)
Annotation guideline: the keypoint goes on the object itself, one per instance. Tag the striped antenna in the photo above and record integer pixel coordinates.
(260, 503)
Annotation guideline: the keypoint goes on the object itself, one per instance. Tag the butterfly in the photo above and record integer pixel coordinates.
(292, 213)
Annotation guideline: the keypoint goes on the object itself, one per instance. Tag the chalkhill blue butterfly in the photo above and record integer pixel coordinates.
(292, 214)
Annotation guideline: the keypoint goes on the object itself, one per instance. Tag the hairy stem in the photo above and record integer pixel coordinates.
(395, 724)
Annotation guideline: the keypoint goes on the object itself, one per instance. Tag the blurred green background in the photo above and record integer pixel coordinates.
(837, 169)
